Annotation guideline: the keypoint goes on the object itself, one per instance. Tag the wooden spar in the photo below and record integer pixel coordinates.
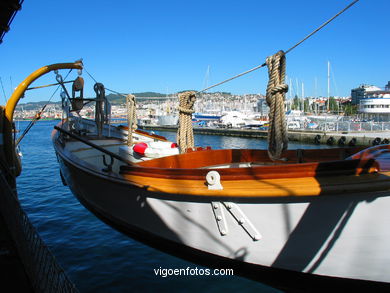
(22, 87)
(8, 155)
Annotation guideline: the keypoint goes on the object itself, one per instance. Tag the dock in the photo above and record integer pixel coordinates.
(344, 138)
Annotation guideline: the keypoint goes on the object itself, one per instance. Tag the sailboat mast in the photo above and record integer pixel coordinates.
(328, 84)
(303, 97)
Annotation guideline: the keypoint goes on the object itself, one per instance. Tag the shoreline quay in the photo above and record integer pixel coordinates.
(360, 138)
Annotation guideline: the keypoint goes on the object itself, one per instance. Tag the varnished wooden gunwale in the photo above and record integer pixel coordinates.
(276, 187)
(335, 168)
(362, 172)
(203, 158)
(192, 166)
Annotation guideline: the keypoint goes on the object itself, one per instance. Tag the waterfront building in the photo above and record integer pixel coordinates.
(262, 107)
(373, 102)
(365, 90)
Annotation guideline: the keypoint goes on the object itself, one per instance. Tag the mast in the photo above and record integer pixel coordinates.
(328, 84)
(315, 96)
(207, 77)
(303, 97)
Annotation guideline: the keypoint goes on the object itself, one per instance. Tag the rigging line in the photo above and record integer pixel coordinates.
(321, 26)
(89, 74)
(234, 77)
(118, 93)
(289, 50)
(105, 87)
(39, 113)
(47, 85)
(2, 86)
(66, 76)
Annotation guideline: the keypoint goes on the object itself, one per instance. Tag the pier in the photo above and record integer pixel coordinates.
(358, 138)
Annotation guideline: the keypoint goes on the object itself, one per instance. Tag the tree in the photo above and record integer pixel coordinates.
(332, 104)
(295, 105)
(306, 105)
(350, 109)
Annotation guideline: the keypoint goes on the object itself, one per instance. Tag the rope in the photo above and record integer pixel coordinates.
(287, 51)
(5, 96)
(107, 89)
(99, 116)
(185, 133)
(38, 115)
(131, 118)
(47, 85)
(275, 95)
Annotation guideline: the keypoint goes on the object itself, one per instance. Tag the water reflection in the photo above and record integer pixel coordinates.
(230, 142)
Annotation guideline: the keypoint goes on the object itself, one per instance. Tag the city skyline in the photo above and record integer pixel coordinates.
(169, 46)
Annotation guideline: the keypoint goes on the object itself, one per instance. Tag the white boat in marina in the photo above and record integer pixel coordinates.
(236, 119)
(167, 120)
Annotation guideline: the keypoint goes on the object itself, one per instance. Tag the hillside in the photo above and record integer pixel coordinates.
(114, 99)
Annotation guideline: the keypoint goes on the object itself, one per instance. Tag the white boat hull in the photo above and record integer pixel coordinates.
(325, 238)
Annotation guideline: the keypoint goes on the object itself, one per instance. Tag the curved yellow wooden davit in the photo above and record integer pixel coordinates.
(21, 88)
(8, 154)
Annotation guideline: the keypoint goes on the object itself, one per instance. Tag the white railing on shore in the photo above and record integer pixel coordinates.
(339, 126)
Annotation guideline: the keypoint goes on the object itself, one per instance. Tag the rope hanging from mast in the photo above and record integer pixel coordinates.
(185, 133)
(275, 96)
(99, 111)
(131, 118)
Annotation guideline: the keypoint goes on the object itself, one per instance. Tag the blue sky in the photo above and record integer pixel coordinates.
(167, 46)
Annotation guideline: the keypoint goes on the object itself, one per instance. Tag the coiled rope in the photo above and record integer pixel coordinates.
(131, 118)
(185, 134)
(275, 96)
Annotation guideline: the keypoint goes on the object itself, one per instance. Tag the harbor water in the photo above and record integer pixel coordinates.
(96, 257)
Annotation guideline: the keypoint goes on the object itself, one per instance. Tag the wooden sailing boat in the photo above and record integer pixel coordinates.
(317, 219)
(319, 216)
(314, 220)
(308, 216)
